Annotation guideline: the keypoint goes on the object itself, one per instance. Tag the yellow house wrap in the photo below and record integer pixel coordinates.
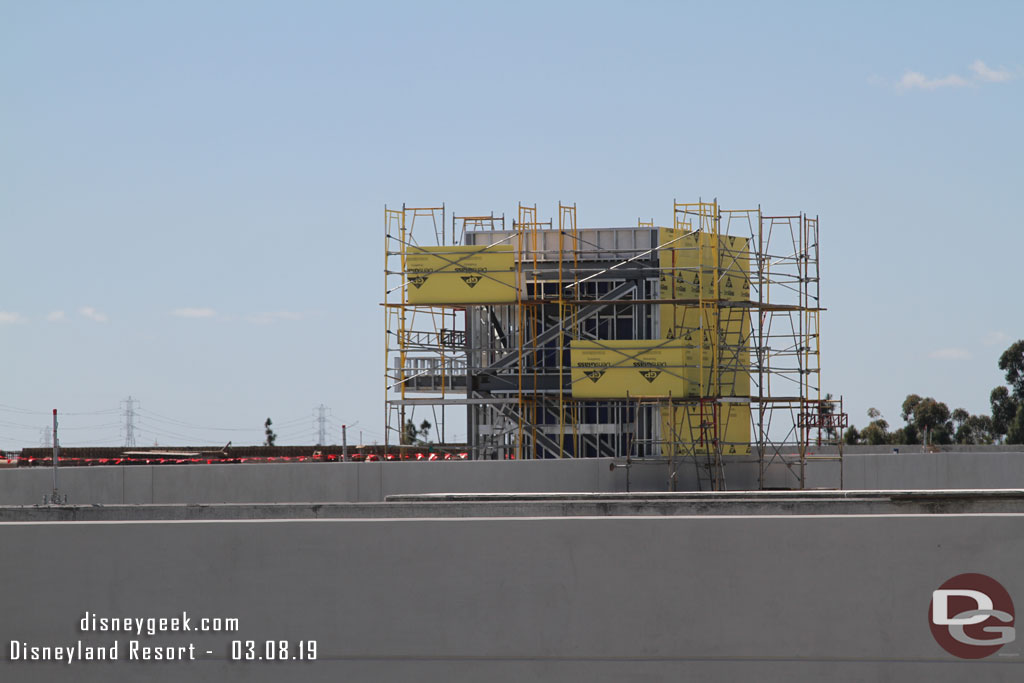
(460, 275)
(690, 430)
(691, 272)
(625, 368)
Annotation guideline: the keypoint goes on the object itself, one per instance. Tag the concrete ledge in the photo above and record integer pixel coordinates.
(556, 505)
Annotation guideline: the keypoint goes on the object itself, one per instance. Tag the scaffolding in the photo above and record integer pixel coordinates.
(697, 343)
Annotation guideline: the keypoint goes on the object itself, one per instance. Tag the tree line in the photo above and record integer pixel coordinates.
(930, 421)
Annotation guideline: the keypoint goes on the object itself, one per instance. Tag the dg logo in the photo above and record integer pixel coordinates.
(971, 616)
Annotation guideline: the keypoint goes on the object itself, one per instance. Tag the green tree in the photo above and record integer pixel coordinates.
(417, 436)
(271, 436)
(929, 417)
(851, 436)
(1012, 362)
(1007, 403)
(960, 416)
(877, 431)
(909, 435)
(908, 406)
(1003, 409)
(1015, 430)
(976, 429)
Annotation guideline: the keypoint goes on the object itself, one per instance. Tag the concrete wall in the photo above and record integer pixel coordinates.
(547, 599)
(961, 469)
(369, 482)
(943, 470)
(304, 482)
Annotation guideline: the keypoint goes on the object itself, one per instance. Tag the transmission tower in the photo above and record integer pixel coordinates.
(320, 413)
(46, 437)
(130, 406)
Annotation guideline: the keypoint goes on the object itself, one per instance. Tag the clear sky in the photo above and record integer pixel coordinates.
(192, 193)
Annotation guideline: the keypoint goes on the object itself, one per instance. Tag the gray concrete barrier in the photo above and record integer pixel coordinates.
(785, 598)
(374, 481)
(303, 482)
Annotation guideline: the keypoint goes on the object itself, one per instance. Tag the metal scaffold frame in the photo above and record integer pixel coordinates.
(510, 359)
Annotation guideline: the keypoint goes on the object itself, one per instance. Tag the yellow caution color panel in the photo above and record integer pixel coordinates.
(694, 429)
(690, 269)
(460, 275)
(628, 367)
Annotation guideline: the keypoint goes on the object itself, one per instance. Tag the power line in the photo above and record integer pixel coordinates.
(162, 431)
(26, 411)
(19, 425)
(105, 425)
(112, 440)
(149, 414)
(12, 409)
(8, 423)
(287, 423)
(14, 438)
(94, 412)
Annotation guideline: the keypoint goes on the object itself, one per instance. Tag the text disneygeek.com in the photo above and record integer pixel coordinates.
(142, 649)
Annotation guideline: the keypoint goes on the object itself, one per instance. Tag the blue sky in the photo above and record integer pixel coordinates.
(192, 193)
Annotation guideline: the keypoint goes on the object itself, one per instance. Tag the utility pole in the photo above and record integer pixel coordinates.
(56, 455)
(55, 498)
(130, 406)
(320, 414)
(344, 443)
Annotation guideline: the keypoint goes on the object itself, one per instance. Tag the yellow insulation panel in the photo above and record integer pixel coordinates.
(460, 275)
(685, 430)
(628, 367)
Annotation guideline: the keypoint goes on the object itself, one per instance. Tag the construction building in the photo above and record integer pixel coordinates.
(694, 342)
